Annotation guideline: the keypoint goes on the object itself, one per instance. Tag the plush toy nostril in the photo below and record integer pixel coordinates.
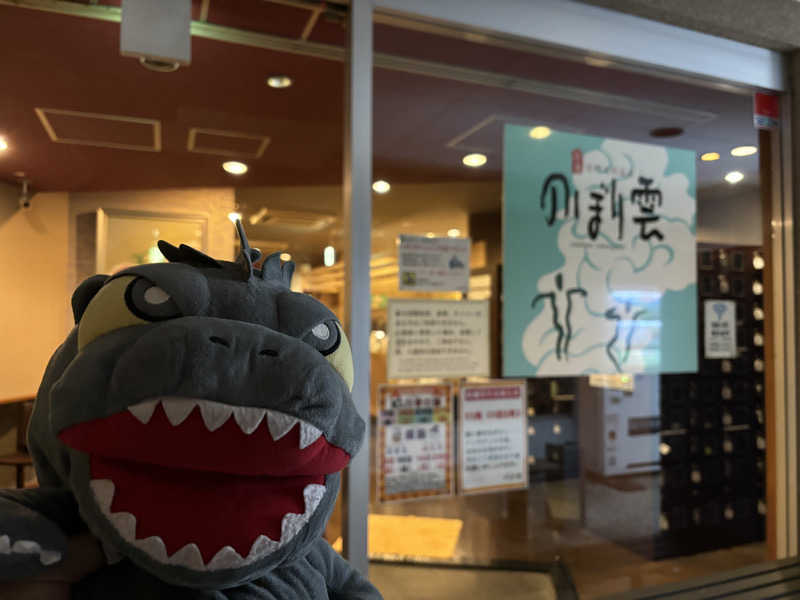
(268, 352)
(218, 340)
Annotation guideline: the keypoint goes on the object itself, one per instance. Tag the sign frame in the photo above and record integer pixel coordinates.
(391, 368)
(427, 248)
(522, 384)
(710, 353)
(618, 310)
(380, 446)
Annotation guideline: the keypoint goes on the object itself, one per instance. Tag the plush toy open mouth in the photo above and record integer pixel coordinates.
(202, 484)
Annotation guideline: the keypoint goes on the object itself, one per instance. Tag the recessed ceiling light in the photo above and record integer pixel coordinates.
(665, 132)
(734, 177)
(474, 160)
(329, 256)
(709, 156)
(235, 216)
(234, 167)
(286, 257)
(3, 144)
(381, 186)
(279, 81)
(540, 132)
(430, 234)
(743, 150)
(453, 232)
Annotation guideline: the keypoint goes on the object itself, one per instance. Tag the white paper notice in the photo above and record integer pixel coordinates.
(720, 329)
(433, 264)
(438, 338)
(493, 437)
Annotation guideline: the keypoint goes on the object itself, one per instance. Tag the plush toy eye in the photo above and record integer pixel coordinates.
(324, 337)
(150, 302)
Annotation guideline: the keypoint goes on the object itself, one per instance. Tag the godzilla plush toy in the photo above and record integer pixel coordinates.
(194, 423)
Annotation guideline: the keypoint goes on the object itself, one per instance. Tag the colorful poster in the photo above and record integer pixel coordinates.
(433, 264)
(599, 256)
(719, 317)
(438, 338)
(415, 442)
(493, 441)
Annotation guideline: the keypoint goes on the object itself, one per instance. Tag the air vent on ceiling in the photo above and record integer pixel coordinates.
(103, 130)
(289, 220)
(226, 143)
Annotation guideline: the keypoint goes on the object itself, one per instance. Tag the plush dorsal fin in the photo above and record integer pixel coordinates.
(186, 254)
(273, 269)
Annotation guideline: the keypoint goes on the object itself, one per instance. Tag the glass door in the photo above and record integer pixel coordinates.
(611, 331)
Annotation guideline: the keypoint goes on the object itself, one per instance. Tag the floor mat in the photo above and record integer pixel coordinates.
(395, 535)
(401, 582)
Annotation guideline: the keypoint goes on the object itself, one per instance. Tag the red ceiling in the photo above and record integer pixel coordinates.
(73, 63)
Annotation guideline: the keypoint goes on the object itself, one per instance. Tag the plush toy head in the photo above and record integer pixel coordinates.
(200, 412)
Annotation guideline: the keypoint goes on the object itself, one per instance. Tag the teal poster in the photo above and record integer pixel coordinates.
(599, 267)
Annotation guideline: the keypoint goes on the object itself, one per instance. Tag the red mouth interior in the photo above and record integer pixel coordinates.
(187, 484)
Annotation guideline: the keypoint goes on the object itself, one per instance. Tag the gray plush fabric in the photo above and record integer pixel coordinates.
(232, 335)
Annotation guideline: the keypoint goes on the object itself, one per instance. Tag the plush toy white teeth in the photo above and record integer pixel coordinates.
(144, 410)
(308, 434)
(189, 555)
(216, 414)
(46, 557)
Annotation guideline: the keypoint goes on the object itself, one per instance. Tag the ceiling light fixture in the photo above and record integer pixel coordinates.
(381, 186)
(430, 234)
(279, 82)
(709, 156)
(329, 256)
(540, 132)
(734, 177)
(286, 257)
(454, 233)
(161, 66)
(3, 144)
(234, 167)
(474, 160)
(743, 150)
(235, 216)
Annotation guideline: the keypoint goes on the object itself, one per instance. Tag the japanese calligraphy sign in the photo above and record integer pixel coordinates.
(599, 256)
(414, 442)
(438, 338)
(493, 442)
(433, 264)
(719, 317)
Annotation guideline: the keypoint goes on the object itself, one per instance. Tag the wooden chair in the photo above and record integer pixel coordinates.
(21, 458)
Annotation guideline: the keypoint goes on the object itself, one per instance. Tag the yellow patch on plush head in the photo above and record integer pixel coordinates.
(108, 311)
(342, 359)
